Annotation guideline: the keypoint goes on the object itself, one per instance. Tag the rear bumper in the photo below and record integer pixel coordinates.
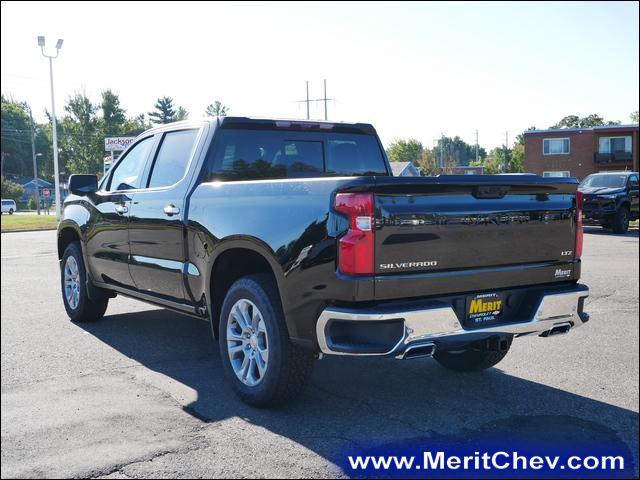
(438, 325)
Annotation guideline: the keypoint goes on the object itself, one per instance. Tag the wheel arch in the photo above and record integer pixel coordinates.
(68, 232)
(237, 258)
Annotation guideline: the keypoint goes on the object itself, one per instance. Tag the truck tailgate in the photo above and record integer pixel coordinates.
(455, 233)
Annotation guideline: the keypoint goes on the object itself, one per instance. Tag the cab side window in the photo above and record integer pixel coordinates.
(633, 181)
(127, 174)
(173, 157)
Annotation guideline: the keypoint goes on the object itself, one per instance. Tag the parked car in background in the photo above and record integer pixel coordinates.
(9, 206)
(611, 199)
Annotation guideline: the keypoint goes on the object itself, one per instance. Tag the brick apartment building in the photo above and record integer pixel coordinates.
(580, 152)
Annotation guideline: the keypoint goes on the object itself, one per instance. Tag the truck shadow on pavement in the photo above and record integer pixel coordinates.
(375, 405)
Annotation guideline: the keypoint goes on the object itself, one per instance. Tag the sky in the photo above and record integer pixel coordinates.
(413, 70)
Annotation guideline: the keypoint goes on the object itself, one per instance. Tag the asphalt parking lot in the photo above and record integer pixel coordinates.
(141, 393)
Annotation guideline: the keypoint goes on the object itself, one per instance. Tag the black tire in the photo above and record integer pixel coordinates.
(86, 310)
(474, 358)
(288, 367)
(11, 211)
(620, 221)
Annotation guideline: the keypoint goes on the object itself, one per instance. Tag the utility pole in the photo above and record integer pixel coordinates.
(35, 163)
(506, 150)
(324, 99)
(307, 100)
(477, 146)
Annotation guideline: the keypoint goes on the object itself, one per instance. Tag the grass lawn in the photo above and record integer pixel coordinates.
(12, 223)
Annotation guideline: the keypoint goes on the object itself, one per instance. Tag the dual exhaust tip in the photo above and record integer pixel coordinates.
(419, 350)
(558, 329)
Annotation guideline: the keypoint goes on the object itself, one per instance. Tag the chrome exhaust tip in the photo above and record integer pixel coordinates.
(558, 329)
(418, 351)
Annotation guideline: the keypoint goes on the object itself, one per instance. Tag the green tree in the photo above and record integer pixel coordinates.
(216, 109)
(11, 190)
(114, 116)
(16, 138)
(181, 114)
(517, 159)
(635, 117)
(81, 137)
(455, 151)
(166, 112)
(574, 121)
(570, 121)
(405, 151)
(428, 163)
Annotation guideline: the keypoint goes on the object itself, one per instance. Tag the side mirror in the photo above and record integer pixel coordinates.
(83, 184)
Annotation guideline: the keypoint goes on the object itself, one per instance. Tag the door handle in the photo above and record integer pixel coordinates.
(121, 209)
(171, 210)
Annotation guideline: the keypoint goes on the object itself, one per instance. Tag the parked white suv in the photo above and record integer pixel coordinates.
(9, 206)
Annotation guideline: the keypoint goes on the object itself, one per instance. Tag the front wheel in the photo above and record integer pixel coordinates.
(264, 367)
(11, 211)
(477, 357)
(620, 221)
(77, 303)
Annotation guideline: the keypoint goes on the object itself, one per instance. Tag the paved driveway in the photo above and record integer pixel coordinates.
(142, 393)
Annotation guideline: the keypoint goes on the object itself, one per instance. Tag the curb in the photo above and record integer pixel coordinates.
(30, 230)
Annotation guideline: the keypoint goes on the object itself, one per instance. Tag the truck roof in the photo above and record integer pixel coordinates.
(250, 123)
(293, 124)
(619, 172)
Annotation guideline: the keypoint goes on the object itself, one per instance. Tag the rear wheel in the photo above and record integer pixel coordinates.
(77, 303)
(620, 221)
(264, 367)
(11, 211)
(477, 357)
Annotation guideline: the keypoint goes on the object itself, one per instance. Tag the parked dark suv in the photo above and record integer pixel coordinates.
(611, 199)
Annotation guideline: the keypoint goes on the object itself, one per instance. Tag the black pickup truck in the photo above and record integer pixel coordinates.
(610, 199)
(294, 241)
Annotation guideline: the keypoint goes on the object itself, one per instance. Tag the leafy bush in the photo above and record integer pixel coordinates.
(11, 190)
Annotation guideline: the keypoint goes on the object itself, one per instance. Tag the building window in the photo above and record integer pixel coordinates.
(556, 146)
(561, 173)
(614, 144)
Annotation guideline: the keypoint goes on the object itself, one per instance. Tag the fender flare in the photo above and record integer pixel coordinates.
(261, 248)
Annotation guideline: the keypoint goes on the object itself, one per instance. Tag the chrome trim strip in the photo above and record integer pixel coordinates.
(422, 325)
(153, 262)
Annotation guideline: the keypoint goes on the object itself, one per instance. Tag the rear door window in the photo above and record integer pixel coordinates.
(173, 158)
(273, 154)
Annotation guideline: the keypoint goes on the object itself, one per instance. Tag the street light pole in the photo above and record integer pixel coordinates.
(53, 122)
(35, 163)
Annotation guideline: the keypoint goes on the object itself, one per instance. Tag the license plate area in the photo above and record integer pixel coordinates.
(484, 309)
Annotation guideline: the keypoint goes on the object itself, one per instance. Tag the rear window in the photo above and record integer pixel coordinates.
(273, 154)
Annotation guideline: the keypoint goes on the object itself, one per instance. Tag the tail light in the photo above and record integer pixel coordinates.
(579, 230)
(355, 248)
